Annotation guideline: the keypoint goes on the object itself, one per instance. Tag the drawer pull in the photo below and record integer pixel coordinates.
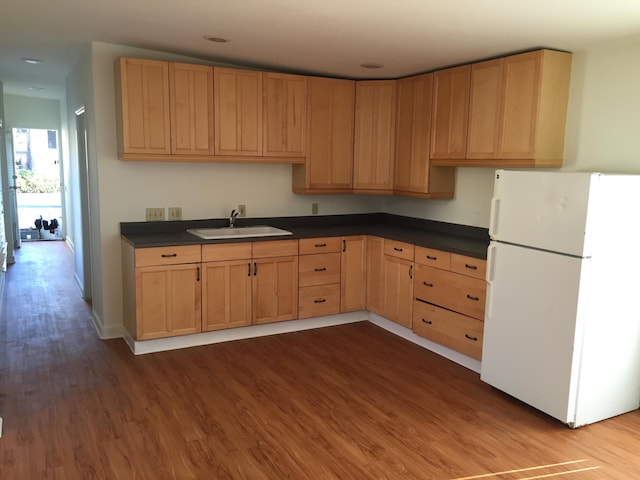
(198, 274)
(397, 249)
(320, 300)
(472, 267)
(255, 269)
(320, 269)
(475, 299)
(249, 269)
(428, 322)
(344, 245)
(411, 271)
(475, 339)
(318, 245)
(429, 257)
(426, 284)
(169, 255)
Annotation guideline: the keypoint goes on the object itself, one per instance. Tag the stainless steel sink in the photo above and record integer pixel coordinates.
(237, 232)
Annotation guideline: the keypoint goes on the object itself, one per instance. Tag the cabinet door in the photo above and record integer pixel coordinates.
(191, 89)
(374, 136)
(485, 109)
(226, 294)
(413, 134)
(375, 275)
(285, 115)
(329, 166)
(520, 105)
(144, 106)
(275, 289)
(167, 301)
(450, 112)
(353, 274)
(398, 290)
(238, 111)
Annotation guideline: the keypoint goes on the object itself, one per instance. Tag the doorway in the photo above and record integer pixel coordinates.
(36, 163)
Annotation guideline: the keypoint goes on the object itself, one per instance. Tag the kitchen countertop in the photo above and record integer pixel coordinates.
(462, 239)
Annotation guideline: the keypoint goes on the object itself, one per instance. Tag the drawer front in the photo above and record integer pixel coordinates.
(450, 290)
(451, 329)
(473, 267)
(310, 246)
(398, 249)
(147, 257)
(320, 269)
(318, 300)
(433, 258)
(226, 251)
(275, 248)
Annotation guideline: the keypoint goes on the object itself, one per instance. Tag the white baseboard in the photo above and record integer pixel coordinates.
(106, 332)
(208, 338)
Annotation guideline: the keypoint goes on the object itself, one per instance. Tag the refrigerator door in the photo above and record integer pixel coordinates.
(545, 210)
(531, 349)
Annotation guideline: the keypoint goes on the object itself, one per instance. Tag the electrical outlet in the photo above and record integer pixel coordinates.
(242, 210)
(175, 213)
(314, 209)
(155, 214)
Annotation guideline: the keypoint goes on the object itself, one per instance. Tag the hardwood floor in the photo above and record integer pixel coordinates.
(346, 402)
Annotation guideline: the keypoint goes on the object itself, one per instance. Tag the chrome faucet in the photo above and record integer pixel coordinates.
(232, 217)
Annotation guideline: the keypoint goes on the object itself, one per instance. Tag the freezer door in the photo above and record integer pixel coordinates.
(545, 210)
(531, 325)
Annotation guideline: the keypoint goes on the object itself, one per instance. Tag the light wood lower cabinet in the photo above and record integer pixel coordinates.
(375, 275)
(319, 277)
(162, 291)
(353, 271)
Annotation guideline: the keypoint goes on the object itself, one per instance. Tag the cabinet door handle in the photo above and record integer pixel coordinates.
(344, 245)
(472, 267)
(197, 274)
(426, 284)
(475, 339)
(169, 255)
(255, 269)
(429, 257)
(475, 299)
(318, 245)
(411, 271)
(249, 269)
(397, 249)
(320, 269)
(320, 300)
(428, 322)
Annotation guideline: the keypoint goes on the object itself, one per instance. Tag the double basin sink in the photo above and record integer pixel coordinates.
(222, 233)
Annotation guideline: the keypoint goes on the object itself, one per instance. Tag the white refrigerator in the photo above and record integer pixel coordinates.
(562, 321)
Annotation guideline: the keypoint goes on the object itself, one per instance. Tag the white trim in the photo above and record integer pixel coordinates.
(208, 338)
(406, 333)
(0, 427)
(106, 333)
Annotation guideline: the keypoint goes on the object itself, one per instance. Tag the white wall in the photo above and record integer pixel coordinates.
(31, 112)
(211, 190)
(603, 133)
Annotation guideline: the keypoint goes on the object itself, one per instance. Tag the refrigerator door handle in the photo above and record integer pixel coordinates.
(493, 219)
(491, 260)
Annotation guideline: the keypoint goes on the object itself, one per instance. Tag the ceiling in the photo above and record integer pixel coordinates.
(330, 37)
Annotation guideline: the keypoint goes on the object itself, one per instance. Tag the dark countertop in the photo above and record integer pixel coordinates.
(462, 239)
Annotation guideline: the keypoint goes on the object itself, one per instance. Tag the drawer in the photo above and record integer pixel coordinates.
(318, 300)
(473, 267)
(451, 329)
(433, 258)
(275, 248)
(226, 251)
(319, 269)
(456, 292)
(146, 257)
(398, 249)
(310, 246)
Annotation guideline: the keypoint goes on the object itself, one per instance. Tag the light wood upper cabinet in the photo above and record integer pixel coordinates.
(143, 107)
(450, 112)
(518, 108)
(374, 136)
(413, 174)
(285, 115)
(330, 113)
(238, 111)
(191, 96)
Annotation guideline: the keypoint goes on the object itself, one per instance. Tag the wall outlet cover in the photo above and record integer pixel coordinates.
(175, 213)
(154, 214)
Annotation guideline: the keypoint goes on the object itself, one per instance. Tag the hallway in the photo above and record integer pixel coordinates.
(348, 402)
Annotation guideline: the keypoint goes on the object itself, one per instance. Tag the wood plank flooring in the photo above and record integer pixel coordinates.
(346, 402)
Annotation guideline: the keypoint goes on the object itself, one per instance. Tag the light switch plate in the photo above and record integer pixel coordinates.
(175, 213)
(155, 214)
